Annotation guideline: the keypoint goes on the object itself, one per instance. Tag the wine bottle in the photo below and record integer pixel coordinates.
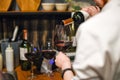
(25, 47)
(74, 22)
(76, 19)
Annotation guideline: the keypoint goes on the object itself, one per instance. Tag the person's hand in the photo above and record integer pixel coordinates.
(92, 10)
(62, 61)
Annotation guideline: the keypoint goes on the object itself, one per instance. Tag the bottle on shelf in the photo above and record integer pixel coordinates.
(25, 47)
(9, 56)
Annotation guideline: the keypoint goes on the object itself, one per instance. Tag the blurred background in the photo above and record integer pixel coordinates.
(40, 25)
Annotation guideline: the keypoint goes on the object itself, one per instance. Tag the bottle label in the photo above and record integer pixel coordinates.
(22, 53)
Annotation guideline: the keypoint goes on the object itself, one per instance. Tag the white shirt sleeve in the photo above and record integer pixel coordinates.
(94, 55)
(88, 54)
(98, 47)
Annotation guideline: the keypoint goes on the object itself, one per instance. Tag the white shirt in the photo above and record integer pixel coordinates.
(98, 45)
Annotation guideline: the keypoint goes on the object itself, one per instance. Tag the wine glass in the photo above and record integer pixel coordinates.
(31, 57)
(62, 41)
(38, 62)
(48, 54)
(38, 57)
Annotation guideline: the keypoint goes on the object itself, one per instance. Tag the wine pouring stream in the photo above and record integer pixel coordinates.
(64, 37)
(65, 33)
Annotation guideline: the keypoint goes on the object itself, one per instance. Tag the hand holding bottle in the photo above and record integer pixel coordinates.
(91, 10)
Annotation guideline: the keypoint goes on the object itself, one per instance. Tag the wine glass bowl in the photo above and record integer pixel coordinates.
(63, 45)
(64, 39)
(38, 62)
(61, 38)
(48, 54)
(35, 59)
(30, 56)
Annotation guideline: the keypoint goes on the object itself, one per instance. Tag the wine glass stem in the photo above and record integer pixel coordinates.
(32, 68)
(49, 66)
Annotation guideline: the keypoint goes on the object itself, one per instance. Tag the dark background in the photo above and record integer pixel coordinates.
(40, 25)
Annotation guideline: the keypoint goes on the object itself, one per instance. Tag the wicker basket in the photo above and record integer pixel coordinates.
(4, 5)
(28, 5)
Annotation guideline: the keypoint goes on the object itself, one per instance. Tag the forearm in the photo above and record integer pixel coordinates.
(68, 75)
(67, 71)
(63, 62)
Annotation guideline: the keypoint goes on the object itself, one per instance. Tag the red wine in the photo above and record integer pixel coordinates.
(62, 46)
(30, 56)
(48, 54)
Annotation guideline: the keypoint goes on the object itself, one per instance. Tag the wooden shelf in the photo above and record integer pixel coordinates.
(16, 14)
(32, 12)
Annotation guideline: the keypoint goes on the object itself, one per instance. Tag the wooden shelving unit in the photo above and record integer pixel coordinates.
(34, 14)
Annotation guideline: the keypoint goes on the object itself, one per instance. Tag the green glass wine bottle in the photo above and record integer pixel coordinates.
(25, 47)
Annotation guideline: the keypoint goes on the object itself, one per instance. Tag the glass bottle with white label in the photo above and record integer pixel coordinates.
(25, 47)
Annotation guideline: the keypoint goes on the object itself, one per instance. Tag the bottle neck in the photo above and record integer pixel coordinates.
(25, 34)
(85, 14)
(67, 21)
(78, 17)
